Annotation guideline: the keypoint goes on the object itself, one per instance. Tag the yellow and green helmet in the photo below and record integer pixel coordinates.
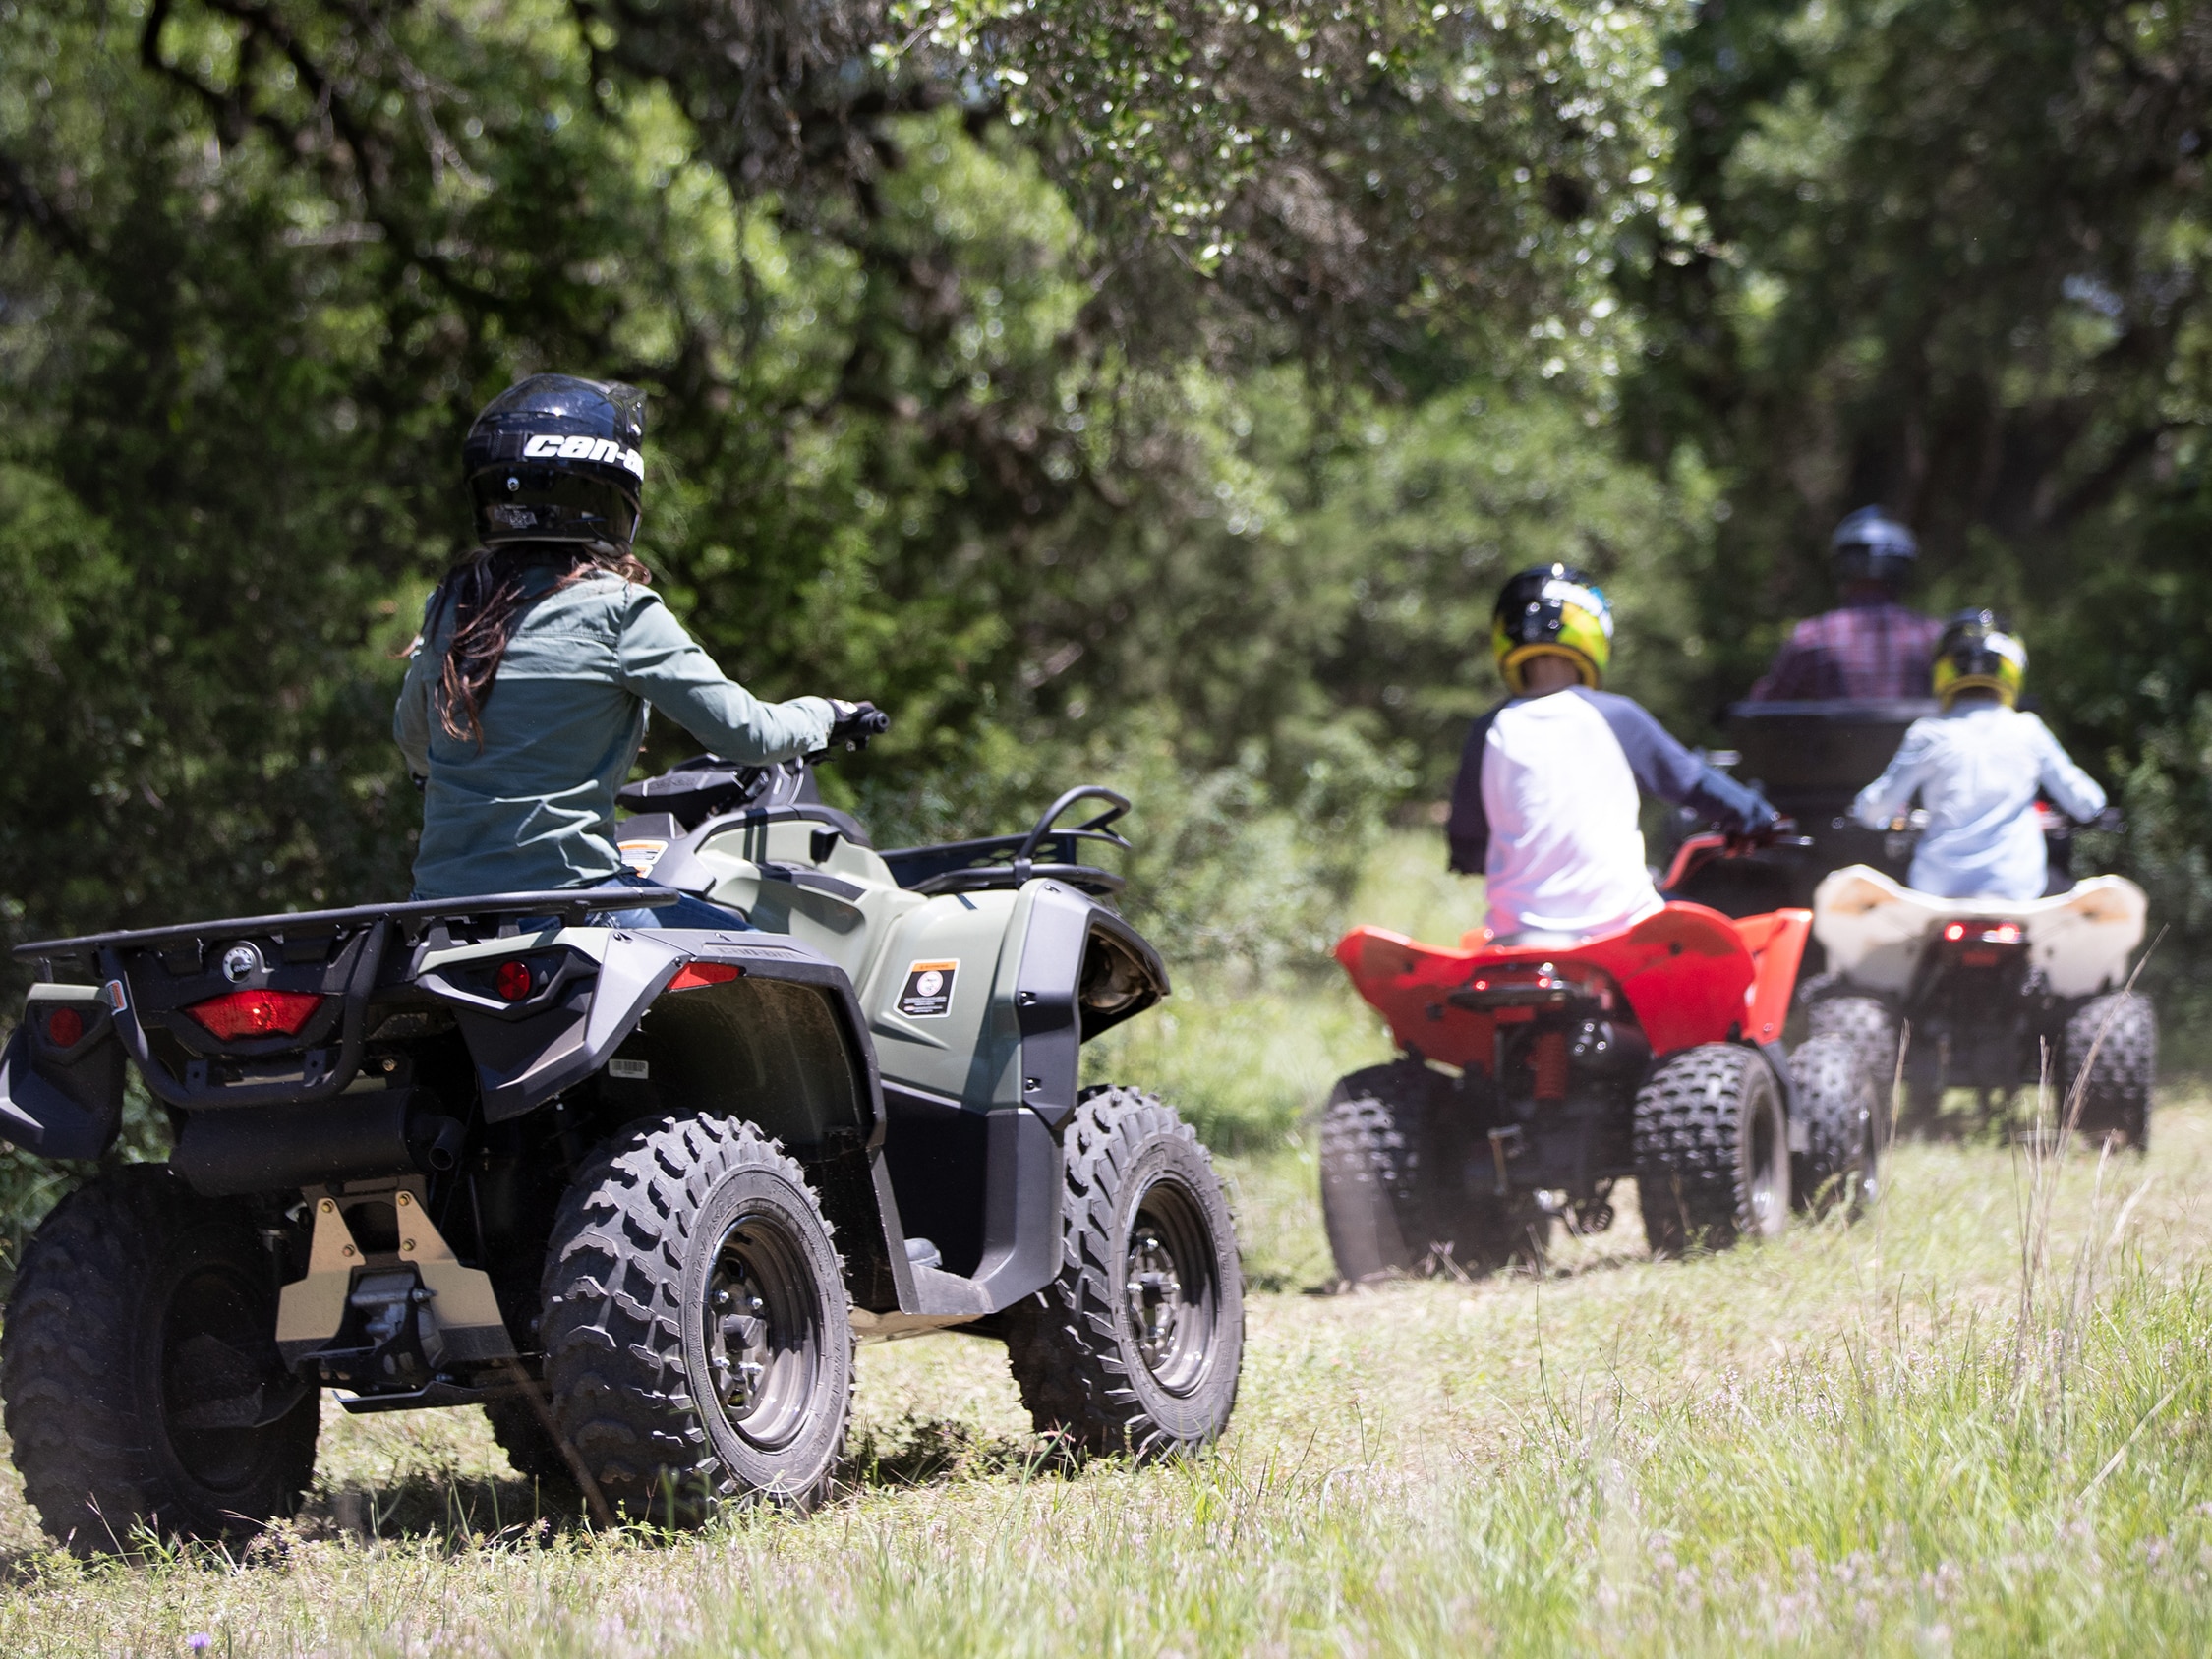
(1552, 610)
(1978, 652)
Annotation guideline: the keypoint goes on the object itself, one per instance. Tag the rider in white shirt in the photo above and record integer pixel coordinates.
(1545, 805)
(1977, 767)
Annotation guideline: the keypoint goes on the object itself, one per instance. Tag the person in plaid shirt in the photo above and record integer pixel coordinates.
(1871, 647)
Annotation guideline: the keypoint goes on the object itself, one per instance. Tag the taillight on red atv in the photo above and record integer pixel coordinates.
(695, 974)
(64, 1027)
(256, 1013)
(512, 981)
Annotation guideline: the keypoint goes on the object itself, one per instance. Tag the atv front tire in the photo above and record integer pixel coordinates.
(1372, 1171)
(698, 1336)
(1138, 1342)
(2115, 1092)
(1843, 1127)
(1711, 1150)
(145, 1390)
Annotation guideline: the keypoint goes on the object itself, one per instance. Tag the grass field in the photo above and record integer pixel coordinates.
(1979, 1421)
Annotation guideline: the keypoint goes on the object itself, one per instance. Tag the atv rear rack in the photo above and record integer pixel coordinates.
(416, 919)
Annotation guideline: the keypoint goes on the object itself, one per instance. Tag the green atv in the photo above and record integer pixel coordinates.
(635, 1192)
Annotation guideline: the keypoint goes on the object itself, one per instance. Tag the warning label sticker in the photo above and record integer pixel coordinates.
(928, 994)
(641, 856)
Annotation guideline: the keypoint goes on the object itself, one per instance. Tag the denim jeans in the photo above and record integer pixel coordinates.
(686, 912)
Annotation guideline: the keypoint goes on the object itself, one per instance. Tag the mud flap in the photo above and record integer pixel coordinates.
(461, 1323)
(62, 1100)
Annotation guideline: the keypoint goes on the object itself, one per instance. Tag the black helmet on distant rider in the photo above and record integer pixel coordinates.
(1872, 547)
(555, 458)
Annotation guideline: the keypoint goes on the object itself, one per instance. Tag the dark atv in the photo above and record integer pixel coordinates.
(635, 1192)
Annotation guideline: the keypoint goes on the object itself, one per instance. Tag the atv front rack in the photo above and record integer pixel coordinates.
(1009, 861)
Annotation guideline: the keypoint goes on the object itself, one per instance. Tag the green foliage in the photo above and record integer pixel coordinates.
(1951, 255)
(939, 414)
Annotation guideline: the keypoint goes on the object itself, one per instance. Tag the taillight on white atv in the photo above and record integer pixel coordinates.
(256, 1013)
(2003, 933)
(512, 981)
(64, 1028)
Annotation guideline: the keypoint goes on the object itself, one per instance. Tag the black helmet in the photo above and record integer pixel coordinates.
(555, 459)
(1552, 610)
(1872, 547)
(1980, 652)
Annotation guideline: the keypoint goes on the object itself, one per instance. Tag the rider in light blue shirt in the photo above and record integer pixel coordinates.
(1977, 767)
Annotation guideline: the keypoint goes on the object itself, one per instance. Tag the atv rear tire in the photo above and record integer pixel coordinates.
(1869, 1027)
(1711, 1150)
(2116, 1094)
(1843, 1127)
(1137, 1343)
(140, 1307)
(532, 1450)
(1372, 1171)
(698, 1336)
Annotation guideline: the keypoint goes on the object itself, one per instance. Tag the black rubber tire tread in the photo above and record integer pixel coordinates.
(532, 1452)
(1372, 1131)
(2116, 1096)
(1068, 1344)
(1843, 1127)
(613, 1325)
(1869, 1025)
(84, 1406)
(1691, 1156)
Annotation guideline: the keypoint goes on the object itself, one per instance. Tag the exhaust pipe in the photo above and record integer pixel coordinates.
(229, 1151)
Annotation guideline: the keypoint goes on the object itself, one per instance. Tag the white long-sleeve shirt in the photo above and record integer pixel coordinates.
(1977, 768)
(1545, 808)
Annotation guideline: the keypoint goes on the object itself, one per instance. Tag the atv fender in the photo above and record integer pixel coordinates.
(779, 1043)
(1081, 969)
(63, 1100)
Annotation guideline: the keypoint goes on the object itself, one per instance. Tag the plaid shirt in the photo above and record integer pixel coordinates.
(1861, 651)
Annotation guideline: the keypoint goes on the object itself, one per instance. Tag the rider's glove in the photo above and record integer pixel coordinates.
(853, 723)
(2109, 821)
(1760, 818)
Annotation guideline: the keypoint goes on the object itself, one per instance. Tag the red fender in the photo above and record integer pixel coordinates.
(1689, 974)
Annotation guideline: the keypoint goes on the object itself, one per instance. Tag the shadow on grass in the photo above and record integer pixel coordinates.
(939, 1452)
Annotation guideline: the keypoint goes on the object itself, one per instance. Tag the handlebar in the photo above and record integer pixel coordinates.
(1703, 848)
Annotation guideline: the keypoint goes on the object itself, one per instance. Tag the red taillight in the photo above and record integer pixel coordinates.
(256, 1013)
(1956, 931)
(695, 974)
(64, 1027)
(511, 980)
(2005, 933)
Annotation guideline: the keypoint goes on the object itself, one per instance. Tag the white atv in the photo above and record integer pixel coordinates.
(1991, 995)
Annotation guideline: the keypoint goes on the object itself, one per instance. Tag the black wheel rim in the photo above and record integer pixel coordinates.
(762, 1327)
(216, 1330)
(1170, 1288)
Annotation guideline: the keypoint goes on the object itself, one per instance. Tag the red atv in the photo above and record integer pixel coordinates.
(1533, 1077)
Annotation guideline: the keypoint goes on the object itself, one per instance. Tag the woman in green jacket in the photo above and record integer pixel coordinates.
(542, 652)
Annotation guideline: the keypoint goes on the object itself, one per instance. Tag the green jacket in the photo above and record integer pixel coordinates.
(533, 806)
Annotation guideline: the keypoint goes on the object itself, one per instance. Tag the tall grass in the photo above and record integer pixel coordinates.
(1979, 1421)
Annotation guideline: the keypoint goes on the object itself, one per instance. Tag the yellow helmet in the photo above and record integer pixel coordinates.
(1978, 652)
(1552, 610)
